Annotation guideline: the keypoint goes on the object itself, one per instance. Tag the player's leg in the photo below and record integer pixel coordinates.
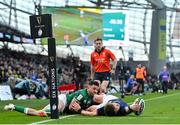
(61, 105)
(97, 77)
(105, 82)
(103, 87)
(106, 99)
(163, 87)
(141, 88)
(62, 102)
(46, 109)
(25, 110)
(35, 112)
(142, 83)
(166, 87)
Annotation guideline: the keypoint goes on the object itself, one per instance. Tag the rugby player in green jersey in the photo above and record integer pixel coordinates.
(66, 102)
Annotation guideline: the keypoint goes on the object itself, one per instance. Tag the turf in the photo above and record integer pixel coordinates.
(160, 109)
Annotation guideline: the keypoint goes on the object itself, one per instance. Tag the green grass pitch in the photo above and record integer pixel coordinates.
(160, 109)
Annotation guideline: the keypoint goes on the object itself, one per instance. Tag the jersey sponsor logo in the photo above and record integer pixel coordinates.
(100, 60)
(79, 97)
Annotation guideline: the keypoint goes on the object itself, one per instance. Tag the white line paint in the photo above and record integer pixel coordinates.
(161, 97)
(63, 117)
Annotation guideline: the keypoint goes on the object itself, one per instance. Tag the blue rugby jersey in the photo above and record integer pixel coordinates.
(121, 111)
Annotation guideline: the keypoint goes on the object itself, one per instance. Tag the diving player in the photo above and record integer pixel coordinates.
(112, 106)
(66, 103)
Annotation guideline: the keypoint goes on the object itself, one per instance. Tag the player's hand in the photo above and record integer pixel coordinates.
(135, 107)
(72, 104)
(112, 71)
(91, 108)
(75, 106)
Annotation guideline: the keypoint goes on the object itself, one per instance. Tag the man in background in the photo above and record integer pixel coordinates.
(140, 77)
(164, 78)
(100, 64)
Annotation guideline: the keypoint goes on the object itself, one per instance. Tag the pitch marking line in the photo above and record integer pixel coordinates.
(160, 97)
(40, 122)
(63, 117)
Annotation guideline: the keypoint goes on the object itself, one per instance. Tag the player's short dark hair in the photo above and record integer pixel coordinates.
(109, 110)
(97, 39)
(96, 83)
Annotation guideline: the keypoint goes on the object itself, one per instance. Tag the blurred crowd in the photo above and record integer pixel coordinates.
(137, 80)
(27, 75)
(73, 70)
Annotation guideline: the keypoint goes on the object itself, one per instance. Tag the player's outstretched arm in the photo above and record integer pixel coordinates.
(77, 108)
(89, 113)
(91, 108)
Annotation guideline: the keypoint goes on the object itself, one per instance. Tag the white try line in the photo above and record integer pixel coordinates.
(44, 121)
(63, 117)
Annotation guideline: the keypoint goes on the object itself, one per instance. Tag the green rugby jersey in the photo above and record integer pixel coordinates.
(82, 97)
